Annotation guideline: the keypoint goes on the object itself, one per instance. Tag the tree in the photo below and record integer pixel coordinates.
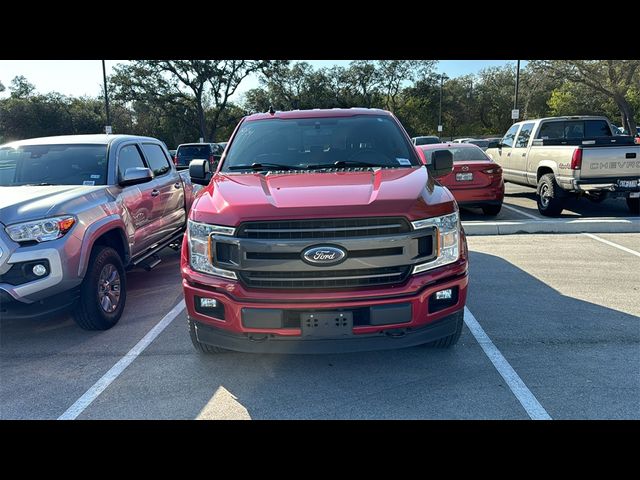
(611, 78)
(21, 87)
(2, 88)
(202, 86)
(393, 74)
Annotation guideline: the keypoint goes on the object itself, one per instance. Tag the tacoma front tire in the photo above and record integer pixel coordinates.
(103, 292)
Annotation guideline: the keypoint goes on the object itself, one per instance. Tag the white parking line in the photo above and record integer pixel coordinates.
(515, 383)
(90, 395)
(517, 210)
(624, 249)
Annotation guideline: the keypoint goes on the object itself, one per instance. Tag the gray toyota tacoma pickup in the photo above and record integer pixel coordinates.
(75, 212)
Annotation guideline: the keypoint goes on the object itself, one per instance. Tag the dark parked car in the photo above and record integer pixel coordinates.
(425, 140)
(198, 151)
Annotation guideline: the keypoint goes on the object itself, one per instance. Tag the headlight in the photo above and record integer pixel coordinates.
(447, 237)
(199, 235)
(41, 230)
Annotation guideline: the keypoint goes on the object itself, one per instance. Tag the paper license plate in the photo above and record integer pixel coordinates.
(464, 177)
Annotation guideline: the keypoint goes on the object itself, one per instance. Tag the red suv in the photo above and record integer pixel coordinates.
(322, 231)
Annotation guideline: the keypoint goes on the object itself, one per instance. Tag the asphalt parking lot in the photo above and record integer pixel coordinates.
(520, 203)
(561, 340)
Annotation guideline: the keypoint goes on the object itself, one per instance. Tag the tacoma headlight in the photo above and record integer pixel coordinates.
(199, 235)
(41, 230)
(447, 238)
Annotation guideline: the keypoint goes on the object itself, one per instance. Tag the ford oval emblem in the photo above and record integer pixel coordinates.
(324, 255)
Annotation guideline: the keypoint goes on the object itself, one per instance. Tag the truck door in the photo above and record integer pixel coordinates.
(519, 152)
(137, 200)
(169, 210)
(503, 157)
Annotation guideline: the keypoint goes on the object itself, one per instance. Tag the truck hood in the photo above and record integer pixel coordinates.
(232, 198)
(25, 203)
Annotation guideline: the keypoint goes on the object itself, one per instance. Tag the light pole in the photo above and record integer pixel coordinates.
(515, 99)
(440, 111)
(107, 128)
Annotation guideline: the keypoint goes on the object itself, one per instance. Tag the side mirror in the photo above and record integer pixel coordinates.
(199, 171)
(499, 145)
(136, 175)
(441, 163)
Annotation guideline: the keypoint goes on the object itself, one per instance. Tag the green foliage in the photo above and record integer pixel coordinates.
(181, 100)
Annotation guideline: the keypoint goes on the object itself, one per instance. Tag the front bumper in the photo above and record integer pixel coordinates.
(357, 343)
(228, 328)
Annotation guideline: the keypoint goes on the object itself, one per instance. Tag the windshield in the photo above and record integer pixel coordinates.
(427, 140)
(53, 165)
(343, 142)
(461, 154)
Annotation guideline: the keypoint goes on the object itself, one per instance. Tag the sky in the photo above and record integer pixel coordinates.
(84, 77)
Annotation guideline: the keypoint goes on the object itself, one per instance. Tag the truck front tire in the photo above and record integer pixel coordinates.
(634, 205)
(451, 340)
(202, 347)
(550, 196)
(103, 292)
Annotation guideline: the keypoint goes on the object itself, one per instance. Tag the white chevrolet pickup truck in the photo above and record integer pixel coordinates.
(563, 156)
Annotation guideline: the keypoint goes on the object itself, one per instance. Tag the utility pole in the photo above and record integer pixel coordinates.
(440, 112)
(107, 128)
(516, 114)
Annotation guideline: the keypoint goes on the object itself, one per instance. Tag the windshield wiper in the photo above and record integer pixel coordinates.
(265, 166)
(343, 164)
(41, 184)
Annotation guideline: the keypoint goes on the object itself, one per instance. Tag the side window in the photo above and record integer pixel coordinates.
(129, 157)
(596, 128)
(507, 140)
(158, 162)
(523, 137)
(551, 130)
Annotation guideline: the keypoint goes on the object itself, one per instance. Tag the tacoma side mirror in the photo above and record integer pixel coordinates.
(135, 176)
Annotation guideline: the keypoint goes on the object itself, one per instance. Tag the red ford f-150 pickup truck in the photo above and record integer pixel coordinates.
(323, 231)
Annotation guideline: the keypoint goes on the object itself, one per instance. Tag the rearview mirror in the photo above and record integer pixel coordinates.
(136, 175)
(441, 163)
(199, 171)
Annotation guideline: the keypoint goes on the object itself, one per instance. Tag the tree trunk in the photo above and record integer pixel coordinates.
(200, 112)
(627, 112)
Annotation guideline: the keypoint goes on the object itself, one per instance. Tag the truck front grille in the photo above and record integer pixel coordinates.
(324, 229)
(326, 278)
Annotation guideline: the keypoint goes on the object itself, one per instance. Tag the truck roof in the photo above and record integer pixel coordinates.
(98, 139)
(567, 117)
(318, 113)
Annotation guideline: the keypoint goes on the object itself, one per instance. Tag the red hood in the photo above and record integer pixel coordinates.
(233, 198)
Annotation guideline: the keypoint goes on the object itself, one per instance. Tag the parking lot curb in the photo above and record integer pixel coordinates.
(559, 225)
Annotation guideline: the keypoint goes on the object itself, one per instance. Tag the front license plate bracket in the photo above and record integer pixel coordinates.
(326, 324)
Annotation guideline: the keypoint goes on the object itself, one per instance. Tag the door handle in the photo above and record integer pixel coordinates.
(177, 185)
(509, 154)
(524, 154)
(155, 193)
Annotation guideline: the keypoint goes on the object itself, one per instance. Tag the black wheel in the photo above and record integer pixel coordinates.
(452, 339)
(550, 196)
(634, 205)
(492, 210)
(199, 346)
(103, 292)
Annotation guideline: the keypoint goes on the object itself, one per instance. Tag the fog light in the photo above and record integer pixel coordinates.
(39, 270)
(444, 294)
(208, 303)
